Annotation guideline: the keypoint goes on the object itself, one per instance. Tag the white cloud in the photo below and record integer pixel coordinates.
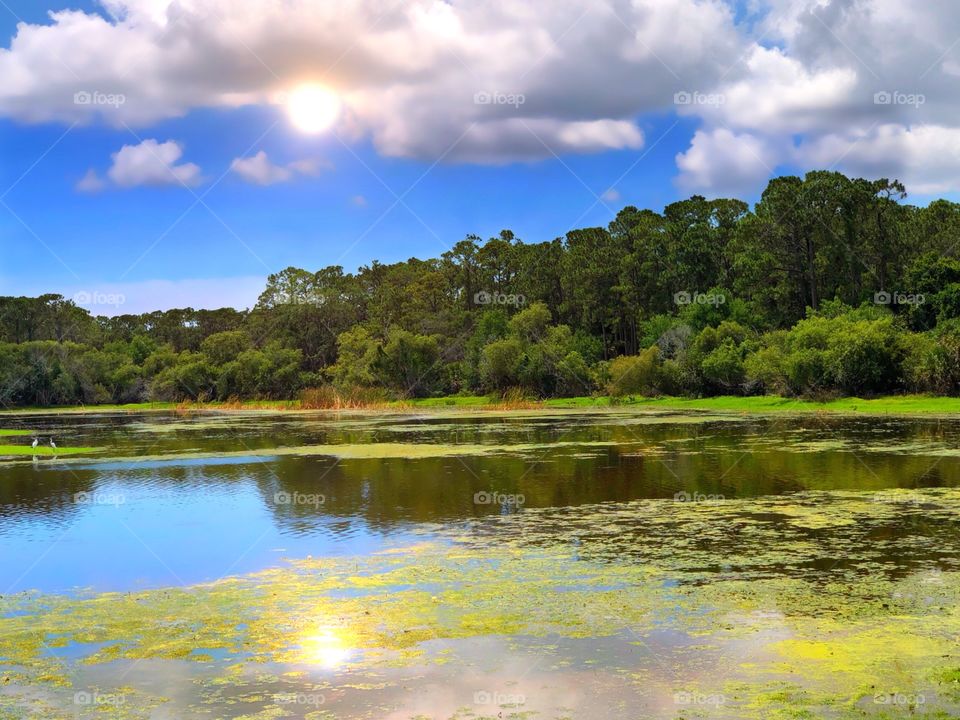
(720, 162)
(424, 78)
(517, 80)
(152, 163)
(260, 171)
(90, 183)
(925, 158)
(868, 87)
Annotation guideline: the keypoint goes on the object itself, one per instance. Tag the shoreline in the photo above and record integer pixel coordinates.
(891, 405)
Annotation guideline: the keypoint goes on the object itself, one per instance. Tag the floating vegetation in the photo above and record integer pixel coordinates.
(6, 450)
(812, 600)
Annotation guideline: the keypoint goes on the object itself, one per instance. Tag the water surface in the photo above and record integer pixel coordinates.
(530, 564)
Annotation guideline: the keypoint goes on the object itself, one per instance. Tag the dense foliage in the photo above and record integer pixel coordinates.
(829, 285)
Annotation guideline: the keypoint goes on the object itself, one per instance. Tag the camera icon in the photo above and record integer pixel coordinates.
(82, 498)
(82, 98)
(482, 298)
(682, 98)
(82, 698)
(482, 98)
(482, 498)
(681, 298)
(882, 98)
(82, 297)
(481, 697)
(882, 298)
(282, 498)
(682, 496)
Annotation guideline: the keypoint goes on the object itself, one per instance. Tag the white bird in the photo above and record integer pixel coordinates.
(53, 444)
(35, 442)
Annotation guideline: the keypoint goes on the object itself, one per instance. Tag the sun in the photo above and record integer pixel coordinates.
(313, 108)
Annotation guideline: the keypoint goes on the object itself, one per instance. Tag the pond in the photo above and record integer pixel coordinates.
(448, 564)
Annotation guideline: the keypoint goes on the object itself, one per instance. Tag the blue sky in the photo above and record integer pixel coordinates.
(600, 127)
(241, 229)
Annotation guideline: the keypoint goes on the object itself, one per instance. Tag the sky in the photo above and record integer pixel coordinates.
(172, 153)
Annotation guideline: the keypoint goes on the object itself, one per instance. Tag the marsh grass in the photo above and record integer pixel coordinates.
(327, 397)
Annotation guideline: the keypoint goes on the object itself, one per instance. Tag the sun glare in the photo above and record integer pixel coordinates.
(313, 108)
(326, 648)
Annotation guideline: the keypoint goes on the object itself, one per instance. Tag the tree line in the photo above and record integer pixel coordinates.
(829, 285)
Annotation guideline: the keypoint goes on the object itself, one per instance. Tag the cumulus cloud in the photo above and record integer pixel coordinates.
(722, 162)
(152, 163)
(865, 87)
(924, 158)
(518, 80)
(261, 171)
(467, 81)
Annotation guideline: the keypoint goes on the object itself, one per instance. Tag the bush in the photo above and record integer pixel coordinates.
(634, 374)
(723, 367)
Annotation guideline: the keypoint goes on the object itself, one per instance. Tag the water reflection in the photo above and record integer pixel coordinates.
(327, 647)
(179, 519)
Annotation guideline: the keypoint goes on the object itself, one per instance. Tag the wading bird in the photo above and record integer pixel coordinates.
(53, 444)
(35, 442)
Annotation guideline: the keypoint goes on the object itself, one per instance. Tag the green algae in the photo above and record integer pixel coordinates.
(838, 615)
(357, 451)
(10, 450)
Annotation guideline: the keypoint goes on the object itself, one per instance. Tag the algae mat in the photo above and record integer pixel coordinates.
(818, 604)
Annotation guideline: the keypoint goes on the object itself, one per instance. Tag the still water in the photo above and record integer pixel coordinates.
(559, 564)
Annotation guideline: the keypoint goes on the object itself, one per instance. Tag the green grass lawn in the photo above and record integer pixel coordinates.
(9, 433)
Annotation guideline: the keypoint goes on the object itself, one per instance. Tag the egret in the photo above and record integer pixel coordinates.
(53, 444)
(36, 441)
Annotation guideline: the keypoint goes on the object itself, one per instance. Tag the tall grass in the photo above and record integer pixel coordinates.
(328, 397)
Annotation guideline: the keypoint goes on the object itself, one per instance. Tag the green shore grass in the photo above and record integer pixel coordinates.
(764, 404)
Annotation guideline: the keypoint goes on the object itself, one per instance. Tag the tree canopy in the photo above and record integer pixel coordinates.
(829, 284)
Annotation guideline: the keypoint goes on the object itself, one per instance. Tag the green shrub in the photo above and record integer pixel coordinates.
(634, 374)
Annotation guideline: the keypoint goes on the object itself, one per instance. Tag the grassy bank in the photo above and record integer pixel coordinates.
(889, 405)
